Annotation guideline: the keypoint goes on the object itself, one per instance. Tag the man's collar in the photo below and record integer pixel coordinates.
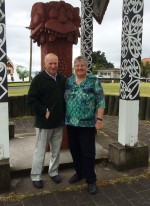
(54, 77)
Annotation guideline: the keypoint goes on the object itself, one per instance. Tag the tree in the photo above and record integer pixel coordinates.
(145, 69)
(22, 72)
(99, 61)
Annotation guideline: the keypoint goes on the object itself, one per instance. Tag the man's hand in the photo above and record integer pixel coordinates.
(47, 114)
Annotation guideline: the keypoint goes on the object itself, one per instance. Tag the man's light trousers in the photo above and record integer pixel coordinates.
(45, 137)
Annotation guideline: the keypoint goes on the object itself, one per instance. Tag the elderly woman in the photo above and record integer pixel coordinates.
(85, 105)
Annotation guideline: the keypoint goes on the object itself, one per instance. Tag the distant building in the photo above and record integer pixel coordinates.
(113, 73)
(144, 61)
(10, 69)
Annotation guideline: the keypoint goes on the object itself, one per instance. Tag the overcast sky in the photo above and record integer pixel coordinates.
(106, 37)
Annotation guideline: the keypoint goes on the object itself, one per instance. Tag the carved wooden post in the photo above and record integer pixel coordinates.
(132, 23)
(128, 153)
(4, 135)
(90, 9)
(87, 30)
(55, 27)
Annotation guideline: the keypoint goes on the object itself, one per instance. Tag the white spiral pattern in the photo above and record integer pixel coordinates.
(3, 67)
(132, 25)
(87, 31)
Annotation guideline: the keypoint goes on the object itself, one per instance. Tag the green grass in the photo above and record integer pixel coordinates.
(113, 89)
(145, 89)
(109, 89)
(11, 84)
(21, 88)
(18, 91)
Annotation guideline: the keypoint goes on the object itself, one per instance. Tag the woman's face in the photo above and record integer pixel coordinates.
(80, 69)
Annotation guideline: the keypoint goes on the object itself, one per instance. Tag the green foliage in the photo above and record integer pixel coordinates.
(22, 72)
(99, 61)
(145, 69)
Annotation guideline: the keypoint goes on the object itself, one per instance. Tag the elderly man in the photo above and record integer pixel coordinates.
(46, 98)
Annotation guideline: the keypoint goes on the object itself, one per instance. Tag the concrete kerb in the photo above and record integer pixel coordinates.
(21, 158)
(22, 135)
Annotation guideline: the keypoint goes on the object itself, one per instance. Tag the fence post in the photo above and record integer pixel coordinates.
(106, 104)
(142, 108)
(148, 109)
(111, 104)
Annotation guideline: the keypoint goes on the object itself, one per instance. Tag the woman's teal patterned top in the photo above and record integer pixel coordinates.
(83, 100)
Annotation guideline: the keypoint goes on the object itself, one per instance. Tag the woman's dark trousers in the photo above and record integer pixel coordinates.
(82, 147)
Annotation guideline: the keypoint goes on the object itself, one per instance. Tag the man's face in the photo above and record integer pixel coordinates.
(80, 68)
(51, 65)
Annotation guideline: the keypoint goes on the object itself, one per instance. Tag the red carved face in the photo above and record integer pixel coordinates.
(53, 20)
(60, 19)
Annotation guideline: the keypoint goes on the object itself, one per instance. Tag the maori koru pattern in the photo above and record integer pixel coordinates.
(132, 24)
(3, 68)
(87, 31)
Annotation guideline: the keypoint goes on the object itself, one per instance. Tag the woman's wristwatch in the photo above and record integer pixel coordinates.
(99, 119)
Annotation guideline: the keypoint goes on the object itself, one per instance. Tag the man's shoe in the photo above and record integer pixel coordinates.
(38, 184)
(56, 179)
(92, 188)
(75, 178)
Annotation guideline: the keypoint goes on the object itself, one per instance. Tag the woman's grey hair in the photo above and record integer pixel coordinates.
(81, 58)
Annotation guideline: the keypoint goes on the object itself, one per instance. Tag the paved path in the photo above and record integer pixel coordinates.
(119, 194)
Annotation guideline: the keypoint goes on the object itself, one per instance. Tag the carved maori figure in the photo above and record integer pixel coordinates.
(55, 28)
(53, 20)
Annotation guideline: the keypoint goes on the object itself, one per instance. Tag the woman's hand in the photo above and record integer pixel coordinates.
(98, 125)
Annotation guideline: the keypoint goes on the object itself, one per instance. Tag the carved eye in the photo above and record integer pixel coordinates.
(36, 19)
(53, 13)
(69, 15)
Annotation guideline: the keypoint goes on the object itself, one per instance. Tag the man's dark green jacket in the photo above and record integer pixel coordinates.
(46, 93)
